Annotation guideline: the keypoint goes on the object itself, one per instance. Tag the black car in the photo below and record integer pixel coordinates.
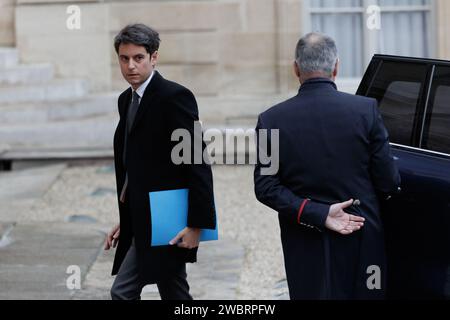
(414, 99)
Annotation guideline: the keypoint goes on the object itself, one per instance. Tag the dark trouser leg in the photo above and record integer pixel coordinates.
(126, 286)
(175, 287)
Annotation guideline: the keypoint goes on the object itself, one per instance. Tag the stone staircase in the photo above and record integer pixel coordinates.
(39, 110)
(44, 115)
(36, 83)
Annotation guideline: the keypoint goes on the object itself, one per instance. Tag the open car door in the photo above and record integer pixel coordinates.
(414, 99)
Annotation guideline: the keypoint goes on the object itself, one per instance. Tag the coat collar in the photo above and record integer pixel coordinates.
(150, 92)
(141, 90)
(316, 83)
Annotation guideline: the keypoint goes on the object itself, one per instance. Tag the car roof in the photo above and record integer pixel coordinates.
(411, 59)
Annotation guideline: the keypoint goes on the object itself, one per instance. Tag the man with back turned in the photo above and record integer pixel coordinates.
(334, 161)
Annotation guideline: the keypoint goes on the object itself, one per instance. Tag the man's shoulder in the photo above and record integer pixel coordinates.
(279, 107)
(358, 103)
(168, 88)
(362, 100)
(124, 93)
(121, 99)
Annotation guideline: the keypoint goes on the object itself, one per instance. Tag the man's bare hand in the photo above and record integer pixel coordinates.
(190, 238)
(340, 221)
(112, 238)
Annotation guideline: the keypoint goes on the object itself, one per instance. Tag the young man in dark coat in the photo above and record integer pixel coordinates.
(333, 150)
(150, 111)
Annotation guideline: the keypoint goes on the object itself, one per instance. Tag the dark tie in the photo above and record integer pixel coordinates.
(132, 110)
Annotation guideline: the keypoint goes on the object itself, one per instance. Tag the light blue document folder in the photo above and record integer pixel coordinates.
(169, 210)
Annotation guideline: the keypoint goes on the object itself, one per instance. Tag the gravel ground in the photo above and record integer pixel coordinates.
(254, 226)
(90, 191)
(80, 191)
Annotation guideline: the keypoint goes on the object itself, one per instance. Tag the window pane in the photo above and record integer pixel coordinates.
(411, 36)
(390, 3)
(346, 30)
(403, 33)
(437, 130)
(397, 88)
(335, 3)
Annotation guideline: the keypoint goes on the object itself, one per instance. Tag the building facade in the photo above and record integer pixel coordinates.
(221, 47)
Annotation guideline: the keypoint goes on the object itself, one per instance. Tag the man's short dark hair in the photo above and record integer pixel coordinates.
(138, 34)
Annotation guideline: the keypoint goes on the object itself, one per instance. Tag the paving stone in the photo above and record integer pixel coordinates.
(35, 264)
(246, 263)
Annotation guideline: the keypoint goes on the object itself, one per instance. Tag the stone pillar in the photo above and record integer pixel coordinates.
(42, 35)
(248, 48)
(7, 34)
(289, 28)
(442, 29)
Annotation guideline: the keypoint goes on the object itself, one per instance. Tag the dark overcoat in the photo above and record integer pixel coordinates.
(332, 147)
(164, 107)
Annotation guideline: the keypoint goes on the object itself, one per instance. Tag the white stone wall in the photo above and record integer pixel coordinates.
(217, 47)
(42, 36)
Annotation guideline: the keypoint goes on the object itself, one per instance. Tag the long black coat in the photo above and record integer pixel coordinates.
(333, 147)
(164, 107)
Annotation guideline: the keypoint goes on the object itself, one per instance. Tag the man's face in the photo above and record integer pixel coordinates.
(136, 63)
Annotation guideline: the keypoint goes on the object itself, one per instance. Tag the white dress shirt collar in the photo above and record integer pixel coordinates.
(140, 91)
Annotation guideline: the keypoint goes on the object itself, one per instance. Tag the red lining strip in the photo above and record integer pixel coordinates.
(301, 210)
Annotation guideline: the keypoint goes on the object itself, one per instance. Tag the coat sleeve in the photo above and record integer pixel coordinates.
(183, 114)
(270, 191)
(383, 170)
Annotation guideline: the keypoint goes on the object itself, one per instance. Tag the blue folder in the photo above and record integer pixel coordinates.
(169, 210)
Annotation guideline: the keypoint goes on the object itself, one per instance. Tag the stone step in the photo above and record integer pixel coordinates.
(92, 132)
(32, 113)
(51, 91)
(226, 109)
(57, 154)
(26, 74)
(96, 134)
(9, 57)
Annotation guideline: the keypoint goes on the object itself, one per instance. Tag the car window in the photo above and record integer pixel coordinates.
(397, 87)
(437, 126)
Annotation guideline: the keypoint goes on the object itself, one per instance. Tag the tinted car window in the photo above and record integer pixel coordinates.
(437, 127)
(397, 87)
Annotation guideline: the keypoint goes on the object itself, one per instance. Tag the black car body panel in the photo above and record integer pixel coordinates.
(414, 99)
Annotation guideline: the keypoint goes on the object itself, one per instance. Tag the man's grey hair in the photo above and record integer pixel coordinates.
(138, 34)
(316, 52)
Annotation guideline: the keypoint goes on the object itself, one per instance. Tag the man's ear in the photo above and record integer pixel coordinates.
(336, 68)
(154, 58)
(296, 69)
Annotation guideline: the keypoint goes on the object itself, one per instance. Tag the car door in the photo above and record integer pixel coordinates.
(414, 99)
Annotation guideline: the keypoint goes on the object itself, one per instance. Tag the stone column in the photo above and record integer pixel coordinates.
(442, 28)
(289, 28)
(7, 34)
(247, 47)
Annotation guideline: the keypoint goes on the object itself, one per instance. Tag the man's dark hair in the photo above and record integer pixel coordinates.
(138, 34)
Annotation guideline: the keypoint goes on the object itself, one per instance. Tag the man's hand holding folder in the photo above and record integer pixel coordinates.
(188, 238)
(169, 220)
